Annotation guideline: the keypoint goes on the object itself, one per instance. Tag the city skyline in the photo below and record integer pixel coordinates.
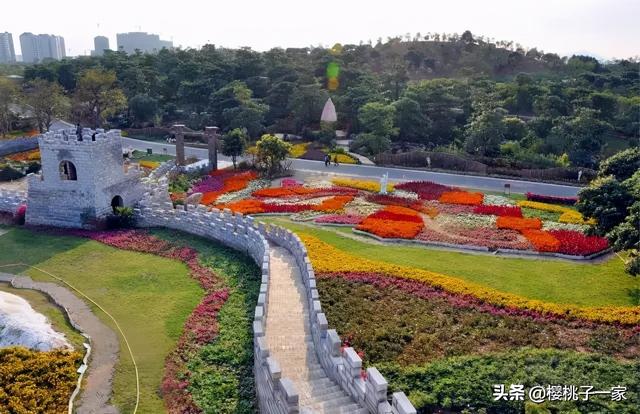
(605, 29)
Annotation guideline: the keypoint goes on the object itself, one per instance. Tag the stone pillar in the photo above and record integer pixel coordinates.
(178, 130)
(211, 134)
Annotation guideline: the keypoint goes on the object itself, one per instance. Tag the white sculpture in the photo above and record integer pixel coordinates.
(383, 183)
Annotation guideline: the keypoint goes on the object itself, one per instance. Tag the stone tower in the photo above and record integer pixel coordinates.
(82, 179)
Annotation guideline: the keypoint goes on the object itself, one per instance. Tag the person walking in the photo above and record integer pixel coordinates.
(335, 160)
(327, 160)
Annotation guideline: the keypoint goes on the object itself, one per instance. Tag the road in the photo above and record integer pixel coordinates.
(395, 174)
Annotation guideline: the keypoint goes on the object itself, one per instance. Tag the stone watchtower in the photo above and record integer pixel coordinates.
(82, 180)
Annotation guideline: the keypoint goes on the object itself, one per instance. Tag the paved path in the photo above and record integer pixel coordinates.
(97, 385)
(395, 174)
(289, 339)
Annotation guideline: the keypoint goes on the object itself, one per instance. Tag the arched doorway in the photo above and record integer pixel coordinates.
(116, 202)
(68, 171)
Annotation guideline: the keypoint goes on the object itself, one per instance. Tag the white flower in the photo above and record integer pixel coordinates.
(554, 225)
(244, 193)
(466, 220)
(405, 194)
(496, 200)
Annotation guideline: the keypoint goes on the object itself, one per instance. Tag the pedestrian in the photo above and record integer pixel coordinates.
(335, 160)
(79, 131)
(327, 160)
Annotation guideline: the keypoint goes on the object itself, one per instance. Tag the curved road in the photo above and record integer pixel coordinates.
(374, 172)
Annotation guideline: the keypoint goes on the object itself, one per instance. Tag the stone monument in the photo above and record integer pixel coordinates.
(211, 136)
(178, 130)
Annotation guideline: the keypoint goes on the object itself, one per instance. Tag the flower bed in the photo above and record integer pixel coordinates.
(461, 197)
(496, 200)
(552, 199)
(510, 211)
(543, 206)
(351, 219)
(577, 243)
(390, 200)
(467, 221)
(518, 223)
(333, 204)
(37, 381)
(542, 240)
(393, 222)
(231, 181)
(574, 217)
(426, 190)
(326, 258)
(365, 185)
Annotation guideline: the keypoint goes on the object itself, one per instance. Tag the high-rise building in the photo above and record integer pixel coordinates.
(7, 52)
(100, 44)
(36, 48)
(144, 42)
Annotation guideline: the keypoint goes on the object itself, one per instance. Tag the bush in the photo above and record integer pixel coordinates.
(122, 218)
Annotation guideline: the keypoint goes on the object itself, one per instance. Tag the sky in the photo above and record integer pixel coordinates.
(603, 28)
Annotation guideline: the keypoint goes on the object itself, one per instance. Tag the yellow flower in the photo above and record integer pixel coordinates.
(543, 206)
(328, 259)
(574, 217)
(372, 186)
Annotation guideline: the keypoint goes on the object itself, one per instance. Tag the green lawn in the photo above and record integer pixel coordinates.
(555, 281)
(143, 156)
(149, 296)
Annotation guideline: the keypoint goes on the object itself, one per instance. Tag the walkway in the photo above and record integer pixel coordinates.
(395, 174)
(97, 386)
(289, 339)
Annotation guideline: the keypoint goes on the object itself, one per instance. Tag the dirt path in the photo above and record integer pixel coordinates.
(97, 387)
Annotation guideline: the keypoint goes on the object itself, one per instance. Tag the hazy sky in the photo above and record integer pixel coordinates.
(607, 28)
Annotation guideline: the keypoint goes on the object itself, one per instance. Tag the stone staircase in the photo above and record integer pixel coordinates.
(289, 339)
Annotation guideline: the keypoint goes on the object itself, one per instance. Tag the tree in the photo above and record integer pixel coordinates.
(271, 152)
(143, 107)
(410, 120)
(8, 96)
(376, 120)
(485, 133)
(97, 96)
(47, 100)
(621, 165)
(234, 144)
(582, 136)
(514, 128)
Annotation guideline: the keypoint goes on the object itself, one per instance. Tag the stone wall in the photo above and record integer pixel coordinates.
(276, 395)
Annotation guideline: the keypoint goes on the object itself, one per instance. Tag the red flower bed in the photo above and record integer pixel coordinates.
(200, 327)
(389, 200)
(542, 240)
(518, 223)
(552, 199)
(461, 197)
(426, 190)
(482, 237)
(285, 208)
(576, 243)
(388, 215)
(498, 210)
(244, 206)
(393, 222)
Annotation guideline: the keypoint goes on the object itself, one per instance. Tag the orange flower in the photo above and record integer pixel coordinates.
(390, 229)
(284, 192)
(542, 240)
(244, 206)
(333, 204)
(462, 197)
(518, 223)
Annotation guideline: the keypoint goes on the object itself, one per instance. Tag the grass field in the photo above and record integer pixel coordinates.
(149, 296)
(143, 156)
(565, 282)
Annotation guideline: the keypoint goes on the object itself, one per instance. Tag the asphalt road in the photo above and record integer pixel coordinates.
(374, 172)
